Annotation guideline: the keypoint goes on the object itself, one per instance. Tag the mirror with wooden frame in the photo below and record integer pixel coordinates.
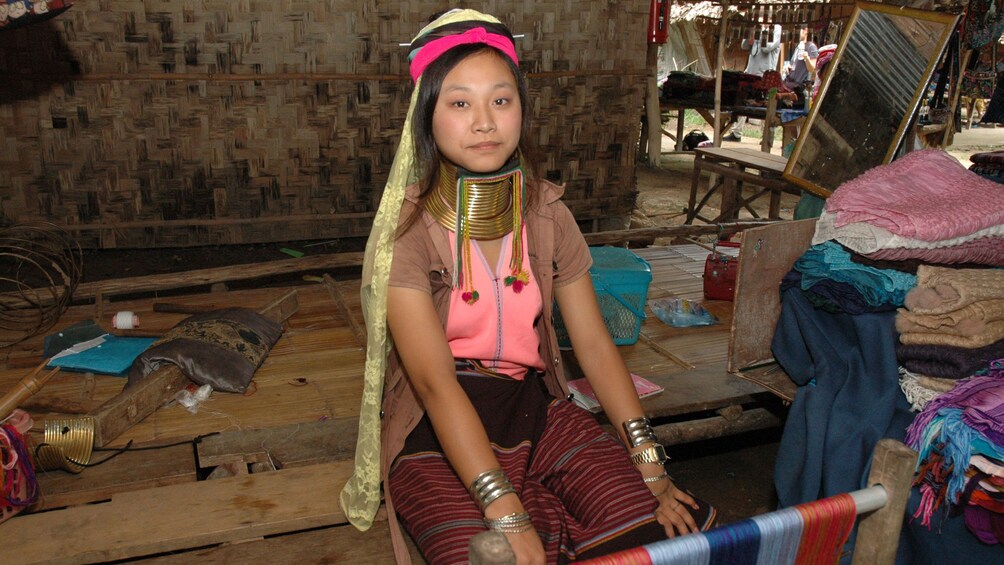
(868, 97)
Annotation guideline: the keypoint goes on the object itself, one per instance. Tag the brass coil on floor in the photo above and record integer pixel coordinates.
(67, 444)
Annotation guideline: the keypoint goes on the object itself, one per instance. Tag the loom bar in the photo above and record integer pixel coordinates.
(871, 498)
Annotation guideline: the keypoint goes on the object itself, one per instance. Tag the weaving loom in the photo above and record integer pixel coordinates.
(808, 533)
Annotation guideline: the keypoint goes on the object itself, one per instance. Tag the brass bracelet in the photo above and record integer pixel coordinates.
(515, 523)
(639, 431)
(489, 486)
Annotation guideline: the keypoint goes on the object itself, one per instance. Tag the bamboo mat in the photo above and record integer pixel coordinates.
(314, 371)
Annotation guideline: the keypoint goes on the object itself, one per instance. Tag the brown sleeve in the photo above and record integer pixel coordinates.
(571, 254)
(412, 259)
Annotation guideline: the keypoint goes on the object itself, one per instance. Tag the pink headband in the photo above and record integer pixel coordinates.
(432, 50)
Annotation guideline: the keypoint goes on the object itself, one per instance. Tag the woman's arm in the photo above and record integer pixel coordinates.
(421, 342)
(610, 379)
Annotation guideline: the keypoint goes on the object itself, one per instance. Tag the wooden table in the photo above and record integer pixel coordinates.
(734, 168)
(768, 114)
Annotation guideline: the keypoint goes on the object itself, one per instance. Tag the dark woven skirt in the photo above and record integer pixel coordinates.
(584, 496)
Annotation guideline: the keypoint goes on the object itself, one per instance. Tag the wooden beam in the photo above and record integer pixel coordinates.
(653, 114)
(892, 467)
(335, 544)
(217, 274)
(293, 445)
(677, 433)
(129, 471)
(136, 402)
(358, 331)
(616, 237)
(179, 517)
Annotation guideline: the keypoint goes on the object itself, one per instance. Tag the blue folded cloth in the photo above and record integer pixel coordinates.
(107, 354)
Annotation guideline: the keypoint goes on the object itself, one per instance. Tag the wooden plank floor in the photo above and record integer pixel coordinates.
(310, 380)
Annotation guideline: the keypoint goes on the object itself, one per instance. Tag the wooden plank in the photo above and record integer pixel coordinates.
(216, 275)
(892, 467)
(291, 445)
(688, 431)
(337, 544)
(767, 254)
(129, 471)
(143, 398)
(178, 517)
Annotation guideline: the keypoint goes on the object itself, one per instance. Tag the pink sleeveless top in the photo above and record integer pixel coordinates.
(497, 330)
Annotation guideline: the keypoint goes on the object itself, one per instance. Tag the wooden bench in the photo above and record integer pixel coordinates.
(736, 168)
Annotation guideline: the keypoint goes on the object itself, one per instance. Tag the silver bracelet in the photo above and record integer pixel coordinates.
(656, 478)
(639, 431)
(489, 486)
(515, 523)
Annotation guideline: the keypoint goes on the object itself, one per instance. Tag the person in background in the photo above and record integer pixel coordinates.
(470, 247)
(763, 56)
(798, 70)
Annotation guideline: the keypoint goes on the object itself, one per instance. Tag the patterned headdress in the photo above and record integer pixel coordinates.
(360, 499)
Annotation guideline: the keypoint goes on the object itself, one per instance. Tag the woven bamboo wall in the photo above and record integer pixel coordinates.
(163, 123)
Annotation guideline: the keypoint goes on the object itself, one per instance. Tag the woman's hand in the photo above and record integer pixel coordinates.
(672, 511)
(527, 547)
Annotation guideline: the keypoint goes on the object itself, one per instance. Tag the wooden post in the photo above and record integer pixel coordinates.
(720, 61)
(892, 467)
(652, 113)
(953, 100)
(768, 123)
(135, 403)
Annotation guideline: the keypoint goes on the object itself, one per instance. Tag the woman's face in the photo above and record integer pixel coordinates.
(477, 119)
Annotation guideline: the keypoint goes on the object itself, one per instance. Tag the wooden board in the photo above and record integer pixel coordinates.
(338, 544)
(129, 471)
(156, 520)
(291, 445)
(765, 256)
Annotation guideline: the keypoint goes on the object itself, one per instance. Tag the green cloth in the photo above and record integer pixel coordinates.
(809, 206)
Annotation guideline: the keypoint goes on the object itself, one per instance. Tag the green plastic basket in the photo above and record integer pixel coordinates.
(621, 280)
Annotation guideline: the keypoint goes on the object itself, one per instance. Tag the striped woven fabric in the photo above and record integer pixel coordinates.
(814, 533)
(583, 494)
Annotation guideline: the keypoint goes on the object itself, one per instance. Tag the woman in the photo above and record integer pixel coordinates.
(477, 432)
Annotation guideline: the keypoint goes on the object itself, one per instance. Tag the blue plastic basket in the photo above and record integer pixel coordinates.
(621, 280)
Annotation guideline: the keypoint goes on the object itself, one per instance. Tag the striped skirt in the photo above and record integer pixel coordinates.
(576, 481)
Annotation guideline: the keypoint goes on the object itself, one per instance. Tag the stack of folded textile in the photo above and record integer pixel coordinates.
(925, 206)
(960, 440)
(834, 280)
(989, 164)
(952, 325)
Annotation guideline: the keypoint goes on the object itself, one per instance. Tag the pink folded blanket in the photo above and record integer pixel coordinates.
(981, 251)
(925, 195)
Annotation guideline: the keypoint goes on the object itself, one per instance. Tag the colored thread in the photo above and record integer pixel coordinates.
(20, 486)
(738, 544)
(827, 524)
(780, 533)
(692, 549)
